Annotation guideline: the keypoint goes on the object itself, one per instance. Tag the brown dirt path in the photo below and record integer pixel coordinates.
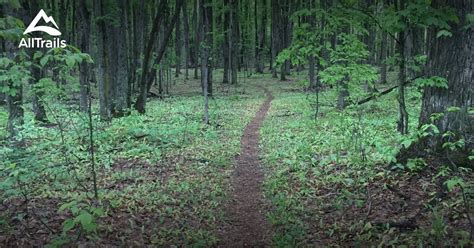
(247, 226)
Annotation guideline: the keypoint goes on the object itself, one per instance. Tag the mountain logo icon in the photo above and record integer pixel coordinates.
(49, 30)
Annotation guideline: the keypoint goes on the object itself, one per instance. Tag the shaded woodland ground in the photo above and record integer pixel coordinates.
(238, 123)
(166, 183)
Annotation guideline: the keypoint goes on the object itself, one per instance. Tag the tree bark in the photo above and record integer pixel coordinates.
(84, 27)
(226, 52)
(36, 75)
(147, 77)
(275, 35)
(260, 35)
(383, 57)
(453, 59)
(177, 48)
(164, 43)
(402, 124)
(196, 38)
(206, 14)
(186, 38)
(103, 64)
(122, 73)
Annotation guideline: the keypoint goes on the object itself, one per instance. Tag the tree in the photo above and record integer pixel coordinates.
(195, 54)
(275, 35)
(147, 76)
(36, 75)
(451, 58)
(178, 45)
(105, 82)
(206, 28)
(234, 40)
(186, 39)
(226, 51)
(260, 33)
(13, 69)
(84, 27)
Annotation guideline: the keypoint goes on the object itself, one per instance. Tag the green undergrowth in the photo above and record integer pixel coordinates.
(162, 177)
(327, 178)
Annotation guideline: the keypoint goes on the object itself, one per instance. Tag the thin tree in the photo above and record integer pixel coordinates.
(206, 29)
(147, 76)
(84, 27)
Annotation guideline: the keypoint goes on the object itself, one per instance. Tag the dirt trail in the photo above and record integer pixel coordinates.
(247, 225)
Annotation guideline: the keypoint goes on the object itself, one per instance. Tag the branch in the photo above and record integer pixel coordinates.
(372, 97)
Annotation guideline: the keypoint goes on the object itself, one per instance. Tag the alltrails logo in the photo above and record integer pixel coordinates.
(40, 42)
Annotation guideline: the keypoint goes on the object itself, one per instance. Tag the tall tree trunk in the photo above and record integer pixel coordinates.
(226, 52)
(105, 86)
(141, 100)
(196, 38)
(206, 14)
(36, 75)
(261, 38)
(453, 59)
(167, 30)
(284, 33)
(402, 124)
(122, 73)
(275, 34)
(177, 48)
(84, 27)
(186, 38)
(383, 58)
(233, 41)
(14, 101)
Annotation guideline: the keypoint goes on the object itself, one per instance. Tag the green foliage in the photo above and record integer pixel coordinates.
(435, 81)
(454, 182)
(83, 214)
(347, 64)
(416, 164)
(417, 13)
(11, 28)
(323, 165)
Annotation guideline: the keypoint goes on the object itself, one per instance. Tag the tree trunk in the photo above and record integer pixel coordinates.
(402, 124)
(84, 27)
(186, 38)
(383, 58)
(233, 42)
(196, 38)
(260, 35)
(167, 30)
(452, 58)
(37, 102)
(284, 33)
(122, 73)
(226, 52)
(177, 48)
(15, 111)
(275, 35)
(311, 72)
(36, 75)
(147, 77)
(206, 14)
(103, 63)
(14, 101)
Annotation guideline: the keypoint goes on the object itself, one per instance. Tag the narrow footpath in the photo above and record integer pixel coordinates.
(247, 226)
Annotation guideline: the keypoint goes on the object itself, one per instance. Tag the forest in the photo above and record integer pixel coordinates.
(236, 123)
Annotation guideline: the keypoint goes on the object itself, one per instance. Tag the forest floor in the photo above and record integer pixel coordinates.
(264, 172)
